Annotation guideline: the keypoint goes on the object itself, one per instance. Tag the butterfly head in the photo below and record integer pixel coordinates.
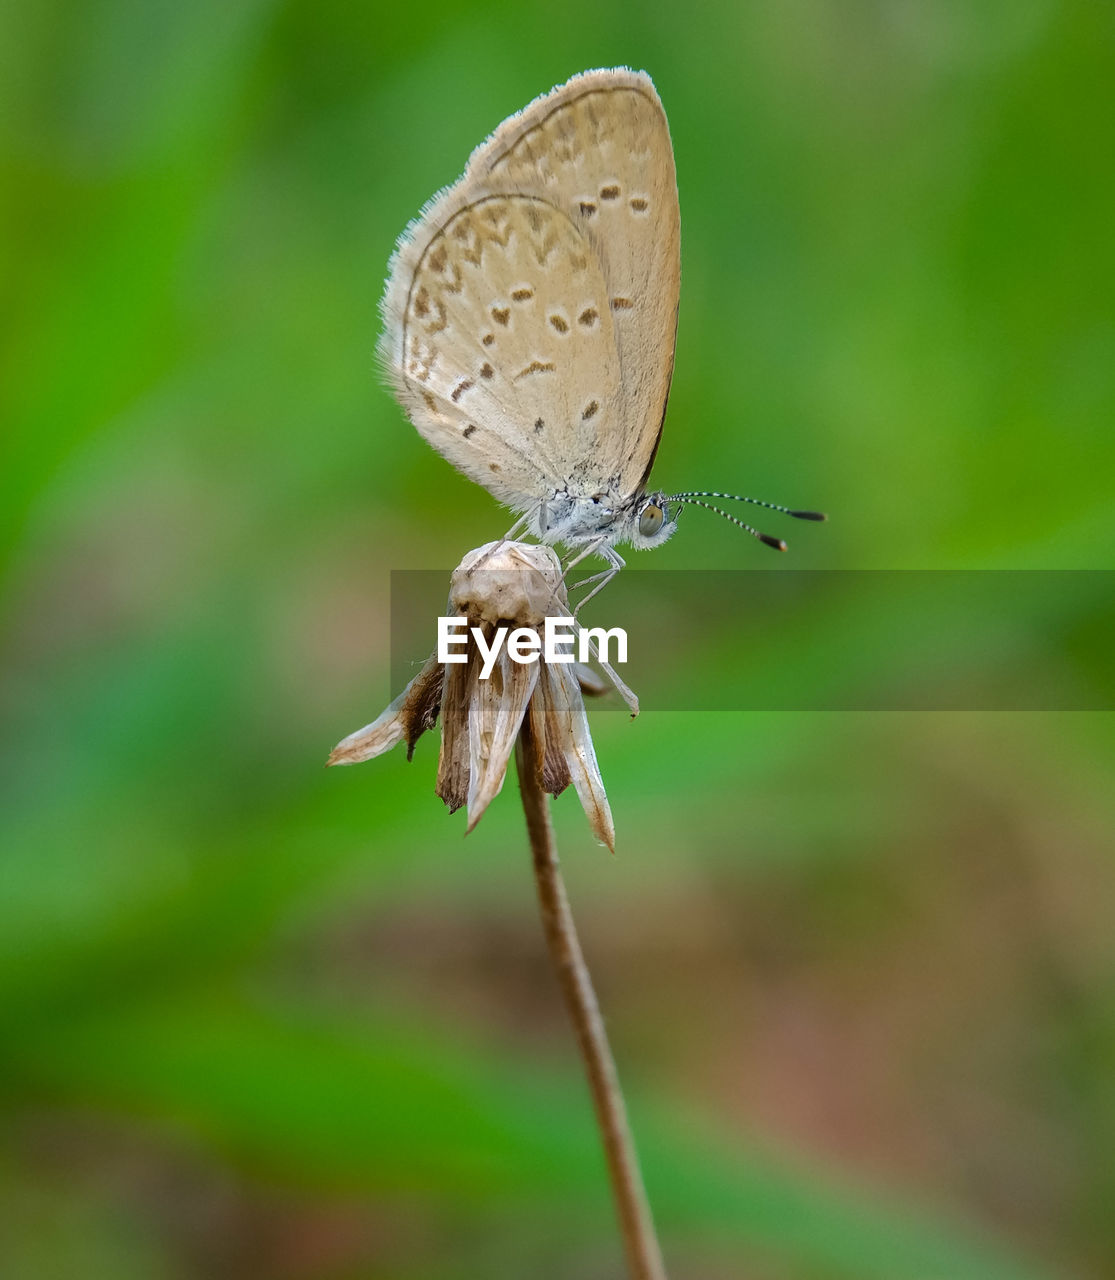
(651, 521)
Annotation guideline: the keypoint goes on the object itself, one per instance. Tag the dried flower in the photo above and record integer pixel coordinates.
(510, 584)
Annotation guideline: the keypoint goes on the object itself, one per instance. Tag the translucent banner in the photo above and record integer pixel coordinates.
(834, 640)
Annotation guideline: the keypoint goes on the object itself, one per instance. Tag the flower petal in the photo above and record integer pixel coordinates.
(453, 762)
(569, 723)
(548, 759)
(409, 716)
(495, 714)
(592, 682)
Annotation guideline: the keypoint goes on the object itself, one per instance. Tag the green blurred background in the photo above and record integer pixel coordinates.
(260, 1020)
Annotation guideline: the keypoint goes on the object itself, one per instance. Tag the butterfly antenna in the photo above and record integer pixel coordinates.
(691, 501)
(758, 502)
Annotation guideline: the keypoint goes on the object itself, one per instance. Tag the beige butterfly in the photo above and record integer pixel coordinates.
(531, 310)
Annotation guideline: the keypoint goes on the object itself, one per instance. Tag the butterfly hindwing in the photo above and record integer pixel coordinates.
(509, 363)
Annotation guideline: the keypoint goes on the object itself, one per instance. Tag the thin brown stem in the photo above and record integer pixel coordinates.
(644, 1258)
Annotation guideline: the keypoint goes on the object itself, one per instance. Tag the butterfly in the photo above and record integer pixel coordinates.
(530, 316)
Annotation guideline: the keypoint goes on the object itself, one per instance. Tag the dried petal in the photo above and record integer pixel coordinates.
(495, 715)
(494, 720)
(453, 764)
(408, 717)
(591, 682)
(545, 744)
(423, 707)
(568, 721)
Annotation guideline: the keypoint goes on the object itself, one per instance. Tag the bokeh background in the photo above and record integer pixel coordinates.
(261, 1020)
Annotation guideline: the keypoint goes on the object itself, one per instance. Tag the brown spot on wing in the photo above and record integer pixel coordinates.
(537, 366)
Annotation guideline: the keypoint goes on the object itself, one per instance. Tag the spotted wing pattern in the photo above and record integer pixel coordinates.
(530, 311)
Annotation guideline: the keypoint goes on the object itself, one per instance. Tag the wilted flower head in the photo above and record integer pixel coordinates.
(509, 584)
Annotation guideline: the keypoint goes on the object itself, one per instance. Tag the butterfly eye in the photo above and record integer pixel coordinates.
(650, 521)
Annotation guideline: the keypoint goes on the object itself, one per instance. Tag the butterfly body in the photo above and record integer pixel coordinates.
(613, 517)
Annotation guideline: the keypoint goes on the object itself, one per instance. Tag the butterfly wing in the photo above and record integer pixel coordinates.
(530, 311)
(505, 352)
(599, 148)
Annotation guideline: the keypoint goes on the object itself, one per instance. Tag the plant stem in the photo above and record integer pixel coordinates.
(644, 1257)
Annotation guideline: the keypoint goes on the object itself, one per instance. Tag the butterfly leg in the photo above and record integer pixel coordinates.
(615, 561)
(583, 554)
(589, 549)
(627, 694)
(522, 523)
